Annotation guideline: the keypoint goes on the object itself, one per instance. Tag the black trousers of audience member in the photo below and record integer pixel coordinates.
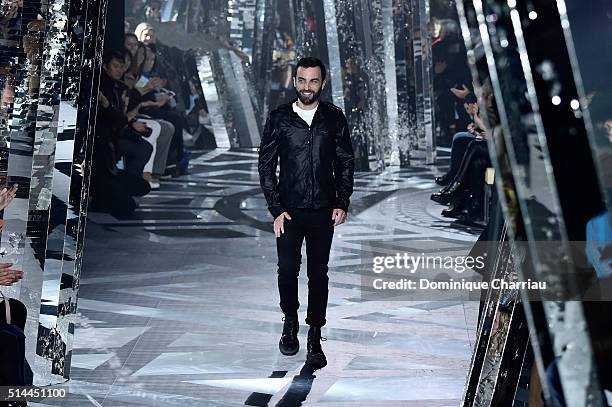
(178, 121)
(472, 169)
(459, 146)
(136, 155)
(317, 228)
(114, 193)
(476, 155)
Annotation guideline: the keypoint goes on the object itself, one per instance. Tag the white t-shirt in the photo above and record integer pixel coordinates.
(306, 115)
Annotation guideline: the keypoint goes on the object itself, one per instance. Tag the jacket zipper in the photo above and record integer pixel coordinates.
(311, 168)
(311, 162)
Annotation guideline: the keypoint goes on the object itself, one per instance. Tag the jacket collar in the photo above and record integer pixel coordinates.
(320, 114)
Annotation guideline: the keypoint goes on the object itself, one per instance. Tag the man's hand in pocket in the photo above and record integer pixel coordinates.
(279, 224)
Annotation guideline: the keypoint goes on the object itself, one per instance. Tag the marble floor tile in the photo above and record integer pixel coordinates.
(99, 338)
(185, 310)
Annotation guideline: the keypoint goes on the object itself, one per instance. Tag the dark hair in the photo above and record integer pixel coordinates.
(114, 54)
(137, 70)
(470, 98)
(152, 49)
(131, 35)
(311, 62)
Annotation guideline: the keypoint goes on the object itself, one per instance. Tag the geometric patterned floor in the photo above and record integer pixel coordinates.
(179, 306)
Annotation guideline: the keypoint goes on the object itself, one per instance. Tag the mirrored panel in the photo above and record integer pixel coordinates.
(374, 52)
(534, 89)
(31, 132)
(587, 29)
(501, 349)
(42, 83)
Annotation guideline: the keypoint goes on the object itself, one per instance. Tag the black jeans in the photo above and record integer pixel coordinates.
(114, 193)
(458, 148)
(136, 154)
(470, 166)
(317, 227)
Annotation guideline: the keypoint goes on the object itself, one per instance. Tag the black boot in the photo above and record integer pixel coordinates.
(475, 211)
(470, 210)
(443, 180)
(455, 211)
(449, 195)
(289, 343)
(315, 358)
(445, 189)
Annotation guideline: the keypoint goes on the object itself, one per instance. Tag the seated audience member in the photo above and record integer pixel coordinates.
(461, 141)
(161, 136)
(168, 63)
(145, 33)
(466, 189)
(132, 44)
(163, 108)
(117, 133)
(153, 10)
(197, 119)
(128, 132)
(138, 53)
(465, 193)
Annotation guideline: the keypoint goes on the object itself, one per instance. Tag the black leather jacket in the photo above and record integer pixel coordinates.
(316, 162)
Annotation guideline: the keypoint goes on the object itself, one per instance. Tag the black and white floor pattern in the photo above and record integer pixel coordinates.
(179, 306)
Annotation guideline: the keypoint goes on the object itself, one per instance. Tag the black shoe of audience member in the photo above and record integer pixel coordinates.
(289, 343)
(470, 212)
(455, 211)
(443, 180)
(315, 358)
(475, 211)
(449, 195)
(446, 188)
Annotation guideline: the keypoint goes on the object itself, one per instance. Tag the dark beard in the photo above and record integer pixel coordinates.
(308, 100)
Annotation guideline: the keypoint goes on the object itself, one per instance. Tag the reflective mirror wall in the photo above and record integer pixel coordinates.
(551, 181)
(50, 61)
(378, 56)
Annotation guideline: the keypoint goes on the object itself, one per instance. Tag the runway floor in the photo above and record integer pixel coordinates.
(179, 306)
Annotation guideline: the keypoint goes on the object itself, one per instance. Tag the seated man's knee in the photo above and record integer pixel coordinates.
(460, 135)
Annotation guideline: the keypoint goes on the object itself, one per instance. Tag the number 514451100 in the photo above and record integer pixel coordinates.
(25, 393)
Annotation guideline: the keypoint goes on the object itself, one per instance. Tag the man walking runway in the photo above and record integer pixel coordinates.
(311, 196)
